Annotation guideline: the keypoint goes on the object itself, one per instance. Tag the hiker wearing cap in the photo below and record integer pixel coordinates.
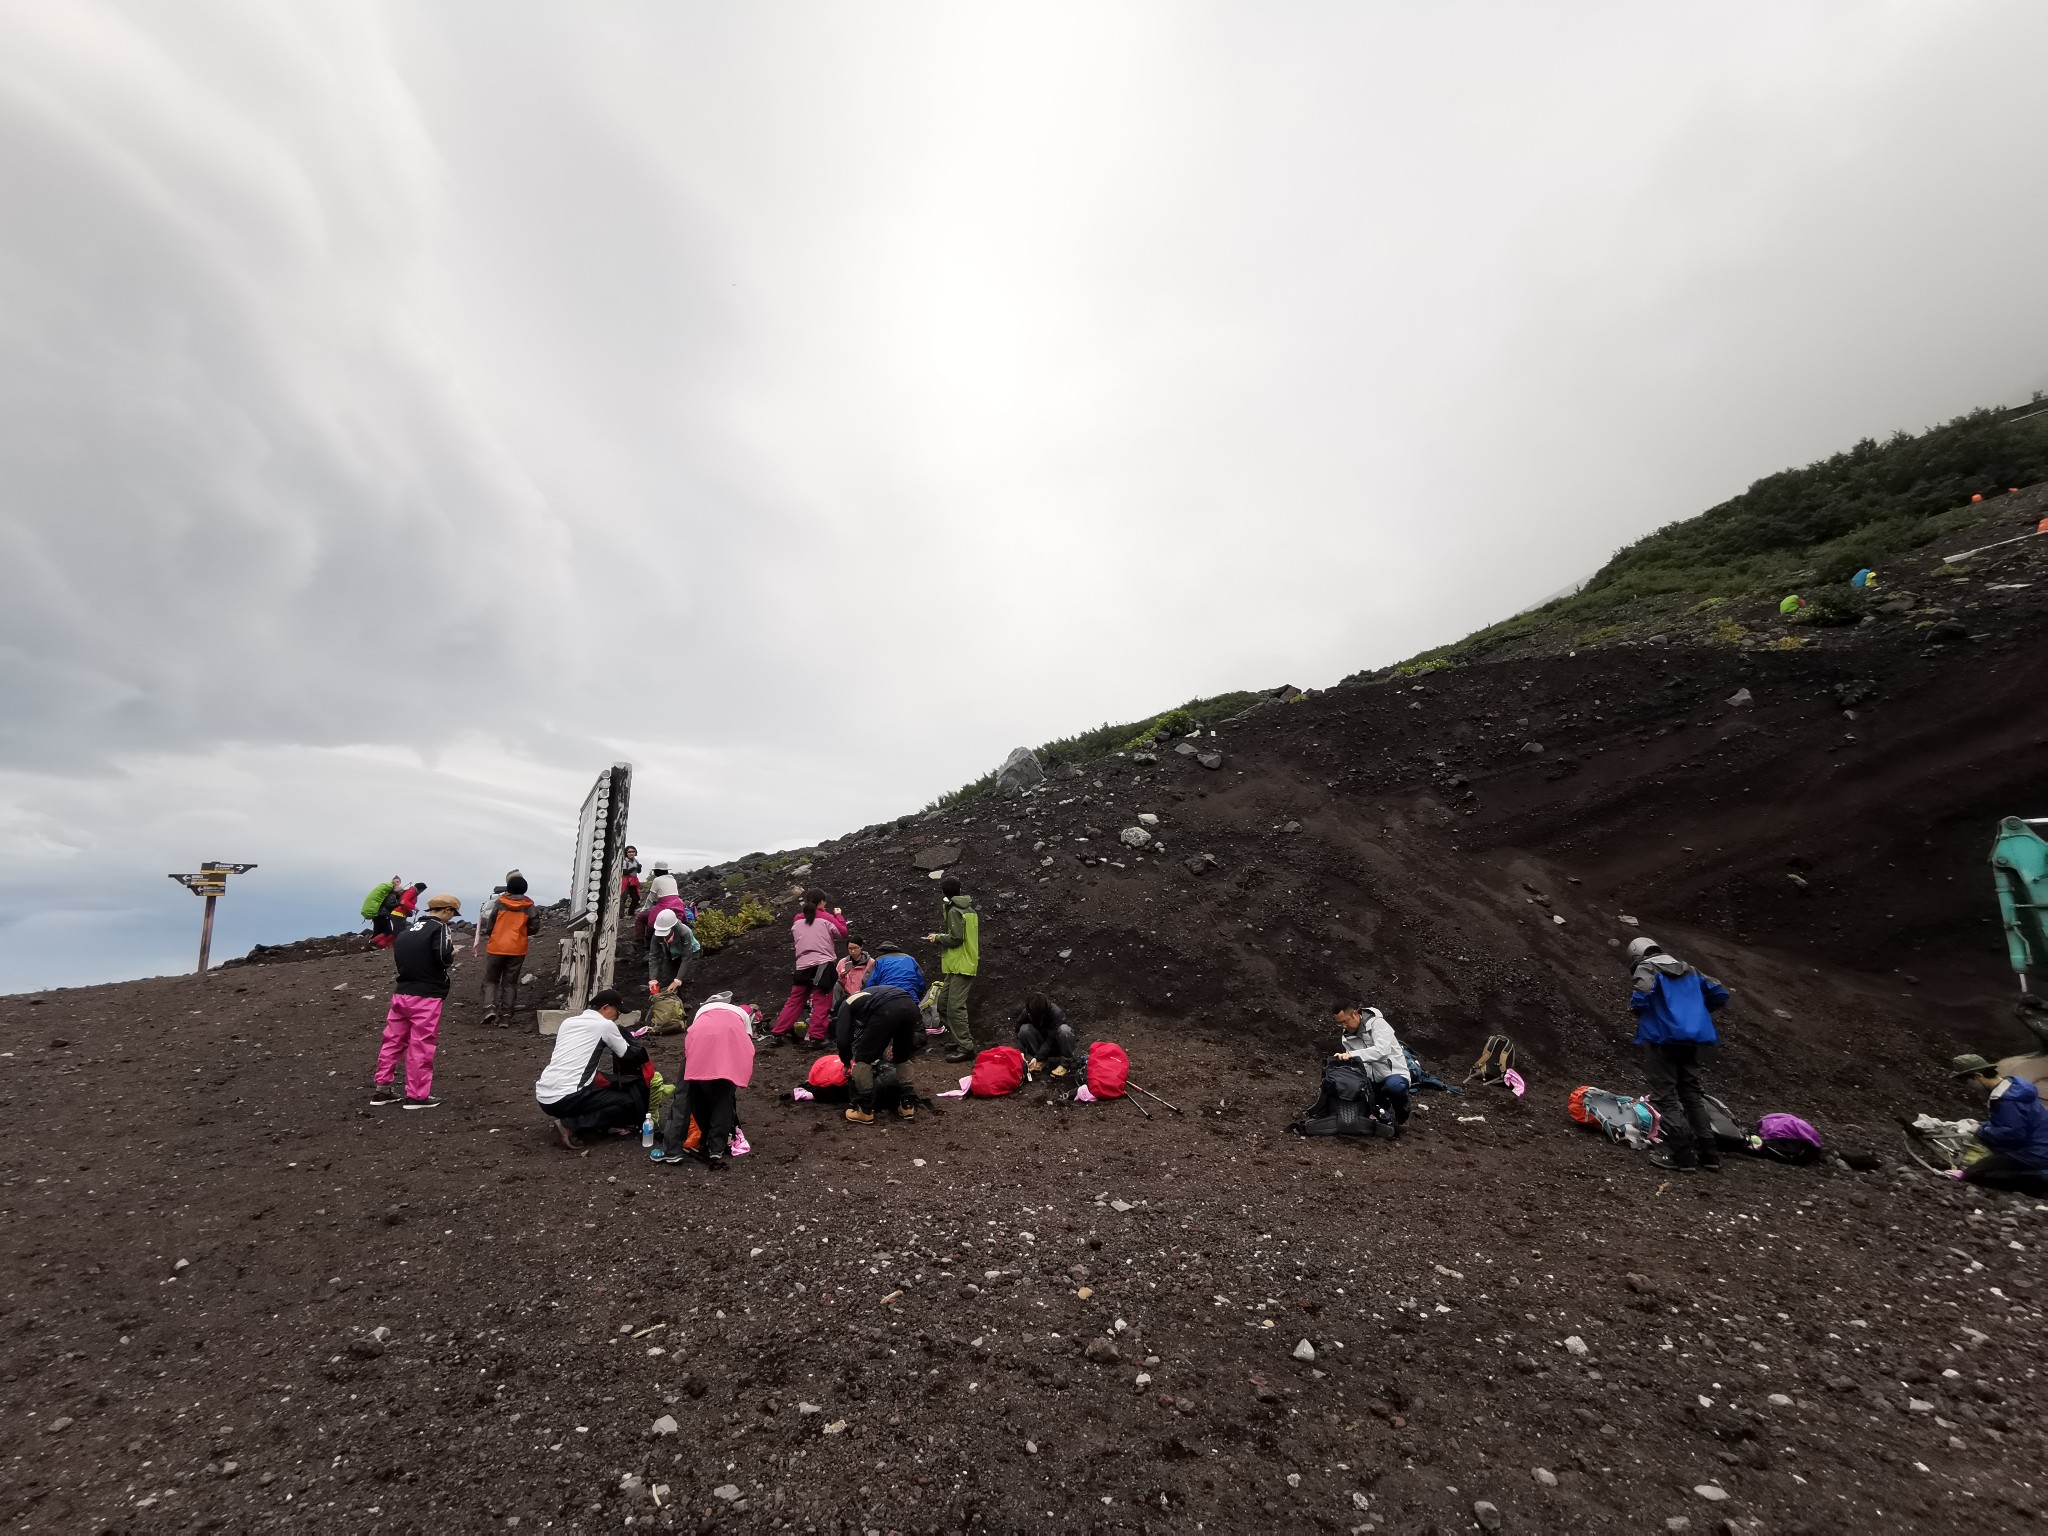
(816, 934)
(1674, 1007)
(412, 1029)
(959, 964)
(507, 926)
(2015, 1129)
(1367, 1038)
(594, 1079)
(672, 951)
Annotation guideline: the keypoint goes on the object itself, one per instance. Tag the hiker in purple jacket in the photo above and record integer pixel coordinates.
(816, 934)
(1674, 1007)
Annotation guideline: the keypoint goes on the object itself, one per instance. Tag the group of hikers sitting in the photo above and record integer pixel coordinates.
(600, 1079)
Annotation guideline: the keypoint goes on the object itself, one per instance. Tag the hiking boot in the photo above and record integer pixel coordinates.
(384, 1093)
(860, 1116)
(490, 1016)
(956, 1054)
(906, 1111)
(425, 1101)
(1675, 1162)
(716, 1161)
(774, 1042)
(1710, 1162)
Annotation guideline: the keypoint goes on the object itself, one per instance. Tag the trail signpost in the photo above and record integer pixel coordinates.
(212, 883)
(594, 904)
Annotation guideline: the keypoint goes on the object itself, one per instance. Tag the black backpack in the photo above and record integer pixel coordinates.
(1345, 1105)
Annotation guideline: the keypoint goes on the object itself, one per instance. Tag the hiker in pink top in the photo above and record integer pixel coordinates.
(718, 1061)
(817, 934)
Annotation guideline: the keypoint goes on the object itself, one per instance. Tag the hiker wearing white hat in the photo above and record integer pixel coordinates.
(672, 952)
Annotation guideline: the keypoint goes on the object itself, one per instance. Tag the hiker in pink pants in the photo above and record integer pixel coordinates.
(412, 1028)
(816, 933)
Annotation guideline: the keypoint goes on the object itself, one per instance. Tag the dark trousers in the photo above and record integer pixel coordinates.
(1679, 1099)
(1047, 1044)
(610, 1107)
(2001, 1170)
(501, 983)
(715, 1106)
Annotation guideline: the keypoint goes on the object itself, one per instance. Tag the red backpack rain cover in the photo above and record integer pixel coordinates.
(1109, 1069)
(997, 1071)
(828, 1071)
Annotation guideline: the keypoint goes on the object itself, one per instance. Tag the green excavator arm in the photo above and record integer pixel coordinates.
(2019, 868)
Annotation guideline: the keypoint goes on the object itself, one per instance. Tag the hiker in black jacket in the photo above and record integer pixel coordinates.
(871, 1028)
(1045, 1037)
(412, 1028)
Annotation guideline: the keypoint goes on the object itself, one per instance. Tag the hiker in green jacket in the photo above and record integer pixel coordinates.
(959, 961)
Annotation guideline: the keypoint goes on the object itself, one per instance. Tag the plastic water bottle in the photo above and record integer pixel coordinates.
(647, 1131)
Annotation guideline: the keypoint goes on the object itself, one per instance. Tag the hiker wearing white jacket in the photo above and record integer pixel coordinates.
(1369, 1040)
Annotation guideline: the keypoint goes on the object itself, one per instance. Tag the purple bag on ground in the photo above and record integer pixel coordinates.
(1787, 1138)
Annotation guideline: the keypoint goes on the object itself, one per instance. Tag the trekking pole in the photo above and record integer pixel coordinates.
(1154, 1098)
(1141, 1109)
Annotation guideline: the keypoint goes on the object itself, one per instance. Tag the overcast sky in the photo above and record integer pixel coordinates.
(407, 410)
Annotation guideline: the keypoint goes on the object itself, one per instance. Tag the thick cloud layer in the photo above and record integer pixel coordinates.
(405, 411)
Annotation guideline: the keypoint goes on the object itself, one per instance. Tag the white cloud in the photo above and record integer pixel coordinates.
(406, 410)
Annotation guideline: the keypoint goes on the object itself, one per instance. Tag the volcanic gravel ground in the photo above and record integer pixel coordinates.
(885, 1328)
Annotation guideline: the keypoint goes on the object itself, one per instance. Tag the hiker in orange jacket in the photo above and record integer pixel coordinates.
(508, 926)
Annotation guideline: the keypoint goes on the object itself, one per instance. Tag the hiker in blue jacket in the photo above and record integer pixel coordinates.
(893, 968)
(1674, 1007)
(2015, 1128)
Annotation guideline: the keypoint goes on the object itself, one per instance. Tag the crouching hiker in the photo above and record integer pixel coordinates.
(593, 1081)
(412, 1029)
(718, 1061)
(1674, 1007)
(1045, 1037)
(1369, 1040)
(2015, 1129)
(877, 1031)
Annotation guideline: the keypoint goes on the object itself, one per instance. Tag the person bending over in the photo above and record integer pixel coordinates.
(2015, 1128)
(718, 1061)
(1674, 1007)
(877, 1031)
(593, 1080)
(1045, 1037)
(1368, 1039)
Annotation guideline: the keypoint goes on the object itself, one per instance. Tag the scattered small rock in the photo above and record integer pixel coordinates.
(1545, 1476)
(1305, 1352)
(1576, 1347)
(1487, 1515)
(836, 1427)
(1713, 1493)
(665, 1425)
(58, 1425)
(1101, 1351)
(726, 1491)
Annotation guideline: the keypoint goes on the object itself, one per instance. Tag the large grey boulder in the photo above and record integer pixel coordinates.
(1019, 772)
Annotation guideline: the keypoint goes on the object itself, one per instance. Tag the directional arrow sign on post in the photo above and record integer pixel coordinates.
(211, 882)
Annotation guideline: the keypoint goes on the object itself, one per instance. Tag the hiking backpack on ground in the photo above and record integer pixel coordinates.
(1109, 1070)
(1619, 1117)
(1346, 1105)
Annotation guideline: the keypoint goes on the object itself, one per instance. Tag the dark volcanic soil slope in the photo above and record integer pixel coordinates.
(237, 1298)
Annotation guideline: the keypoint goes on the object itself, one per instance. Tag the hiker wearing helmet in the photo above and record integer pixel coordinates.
(672, 952)
(2015, 1130)
(1674, 1006)
(816, 934)
(412, 1029)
